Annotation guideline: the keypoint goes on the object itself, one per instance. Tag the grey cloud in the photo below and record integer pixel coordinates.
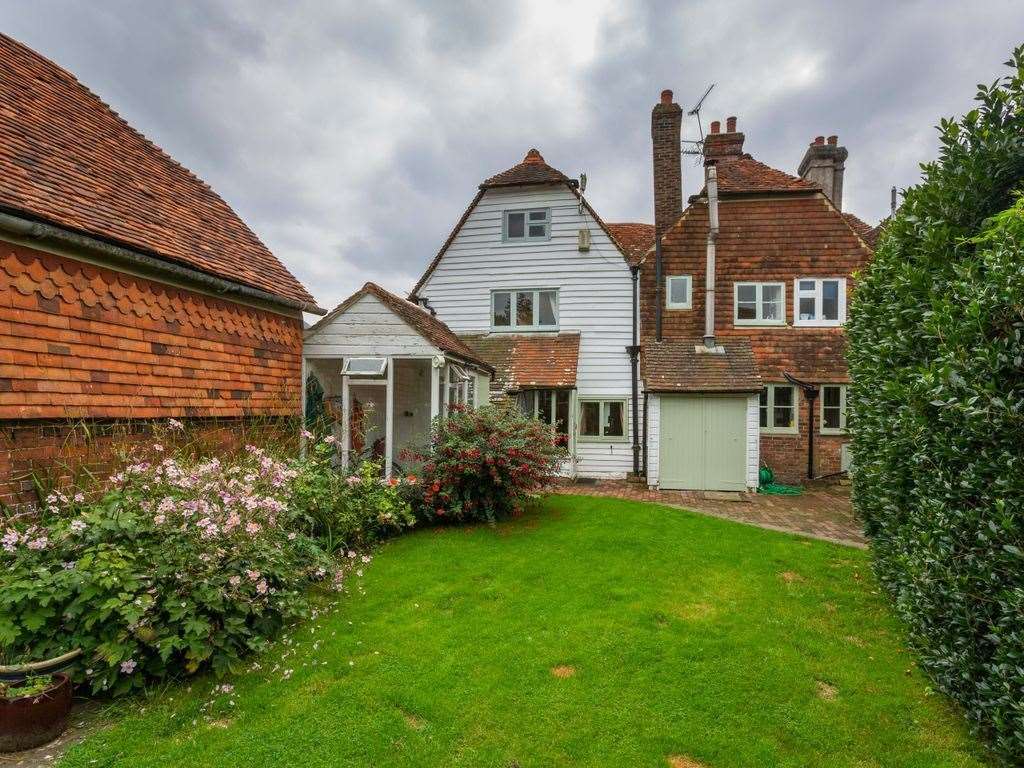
(351, 136)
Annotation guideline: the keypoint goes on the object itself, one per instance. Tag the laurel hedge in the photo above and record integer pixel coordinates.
(936, 355)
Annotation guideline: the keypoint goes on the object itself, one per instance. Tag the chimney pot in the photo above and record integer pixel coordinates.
(715, 126)
(533, 156)
(819, 140)
(730, 124)
(666, 96)
(833, 140)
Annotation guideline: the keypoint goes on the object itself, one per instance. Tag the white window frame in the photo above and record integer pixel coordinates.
(506, 238)
(514, 327)
(554, 405)
(459, 388)
(346, 368)
(602, 413)
(770, 429)
(817, 293)
(842, 411)
(688, 304)
(758, 304)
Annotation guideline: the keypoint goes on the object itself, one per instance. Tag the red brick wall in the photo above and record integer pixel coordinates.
(78, 341)
(67, 453)
(767, 238)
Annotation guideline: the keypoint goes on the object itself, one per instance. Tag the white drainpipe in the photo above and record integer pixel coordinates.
(709, 272)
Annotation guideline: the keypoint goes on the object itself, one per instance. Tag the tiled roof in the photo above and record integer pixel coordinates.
(68, 159)
(868, 233)
(678, 366)
(424, 323)
(744, 174)
(634, 239)
(533, 170)
(523, 361)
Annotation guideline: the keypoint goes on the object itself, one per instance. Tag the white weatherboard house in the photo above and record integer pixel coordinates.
(534, 282)
(530, 299)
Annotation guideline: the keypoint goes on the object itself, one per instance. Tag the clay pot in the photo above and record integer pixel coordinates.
(30, 721)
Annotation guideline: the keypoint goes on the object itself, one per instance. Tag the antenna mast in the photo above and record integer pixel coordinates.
(698, 148)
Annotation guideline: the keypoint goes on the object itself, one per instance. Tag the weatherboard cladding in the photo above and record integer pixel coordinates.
(595, 292)
(66, 158)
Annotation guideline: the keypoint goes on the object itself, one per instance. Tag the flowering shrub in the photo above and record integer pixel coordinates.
(346, 512)
(178, 566)
(484, 464)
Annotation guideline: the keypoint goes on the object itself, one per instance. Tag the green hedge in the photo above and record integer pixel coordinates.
(936, 354)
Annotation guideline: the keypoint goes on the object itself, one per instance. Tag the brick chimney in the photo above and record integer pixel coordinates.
(666, 133)
(823, 164)
(718, 145)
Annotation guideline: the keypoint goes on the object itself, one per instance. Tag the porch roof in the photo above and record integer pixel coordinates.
(678, 366)
(523, 361)
(419, 319)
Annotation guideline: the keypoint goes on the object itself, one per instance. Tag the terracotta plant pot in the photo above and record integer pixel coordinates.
(30, 721)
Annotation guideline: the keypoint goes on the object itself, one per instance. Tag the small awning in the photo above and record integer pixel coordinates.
(524, 361)
(686, 366)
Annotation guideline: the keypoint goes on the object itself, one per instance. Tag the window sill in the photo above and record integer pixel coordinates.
(780, 432)
(678, 306)
(526, 329)
(832, 432)
(535, 241)
(818, 324)
(760, 323)
(599, 439)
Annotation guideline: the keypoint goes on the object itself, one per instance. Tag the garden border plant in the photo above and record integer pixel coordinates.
(936, 346)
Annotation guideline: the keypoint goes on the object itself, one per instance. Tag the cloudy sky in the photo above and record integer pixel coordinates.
(350, 136)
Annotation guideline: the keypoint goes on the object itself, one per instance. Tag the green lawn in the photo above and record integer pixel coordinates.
(685, 635)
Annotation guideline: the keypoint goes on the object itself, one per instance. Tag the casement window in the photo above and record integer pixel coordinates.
(759, 304)
(524, 310)
(603, 419)
(458, 386)
(779, 409)
(679, 292)
(833, 409)
(364, 366)
(819, 302)
(526, 226)
(550, 406)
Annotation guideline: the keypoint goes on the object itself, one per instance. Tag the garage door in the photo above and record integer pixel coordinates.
(703, 443)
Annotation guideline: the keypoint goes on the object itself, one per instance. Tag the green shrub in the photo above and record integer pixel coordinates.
(484, 464)
(936, 345)
(179, 566)
(346, 512)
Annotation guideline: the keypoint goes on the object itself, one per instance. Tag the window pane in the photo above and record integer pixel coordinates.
(806, 285)
(516, 226)
(562, 411)
(538, 215)
(538, 230)
(807, 308)
(544, 405)
(746, 311)
(524, 308)
(548, 310)
(366, 365)
(764, 407)
(590, 419)
(771, 302)
(527, 400)
(613, 426)
(502, 309)
(679, 290)
(746, 293)
(783, 411)
(830, 299)
(831, 400)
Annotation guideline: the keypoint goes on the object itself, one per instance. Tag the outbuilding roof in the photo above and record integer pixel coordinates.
(686, 366)
(67, 159)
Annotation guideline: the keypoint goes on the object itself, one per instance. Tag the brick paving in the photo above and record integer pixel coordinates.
(823, 511)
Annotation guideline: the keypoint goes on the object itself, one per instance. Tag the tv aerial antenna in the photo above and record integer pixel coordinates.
(698, 144)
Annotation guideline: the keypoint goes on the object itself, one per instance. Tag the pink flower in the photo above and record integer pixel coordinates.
(234, 581)
(157, 447)
(252, 528)
(39, 543)
(175, 424)
(307, 434)
(261, 587)
(127, 667)
(159, 519)
(291, 536)
(330, 439)
(252, 575)
(77, 526)
(354, 479)
(79, 498)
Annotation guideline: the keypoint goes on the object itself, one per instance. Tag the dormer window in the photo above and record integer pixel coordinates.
(527, 226)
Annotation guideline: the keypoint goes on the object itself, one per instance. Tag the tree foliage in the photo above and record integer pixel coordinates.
(936, 345)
